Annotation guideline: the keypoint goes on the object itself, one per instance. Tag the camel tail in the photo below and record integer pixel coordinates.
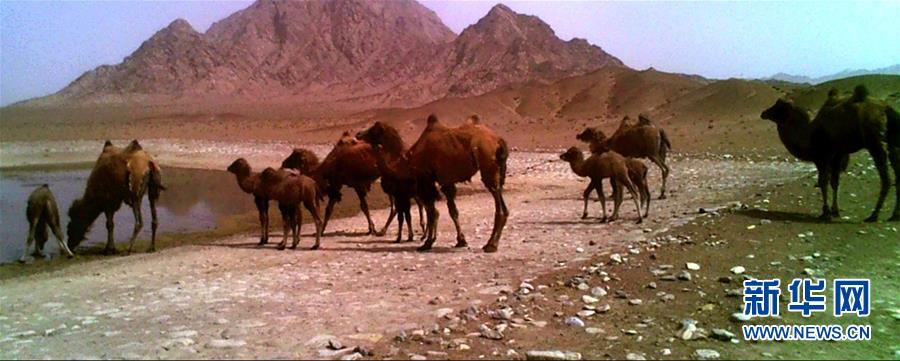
(155, 185)
(664, 139)
(501, 156)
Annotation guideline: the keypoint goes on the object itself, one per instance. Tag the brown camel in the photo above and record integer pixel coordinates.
(42, 213)
(842, 127)
(120, 175)
(351, 163)
(641, 140)
(397, 179)
(451, 155)
(250, 182)
(291, 190)
(599, 167)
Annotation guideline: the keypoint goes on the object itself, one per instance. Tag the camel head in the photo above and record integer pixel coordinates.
(347, 139)
(80, 220)
(588, 134)
(780, 112)
(240, 167)
(572, 154)
(373, 135)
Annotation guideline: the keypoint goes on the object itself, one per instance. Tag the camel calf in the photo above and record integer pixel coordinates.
(42, 213)
(599, 167)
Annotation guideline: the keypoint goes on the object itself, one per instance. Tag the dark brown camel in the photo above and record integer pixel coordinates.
(642, 140)
(842, 127)
(42, 213)
(451, 155)
(637, 171)
(599, 167)
(291, 190)
(397, 179)
(351, 163)
(120, 175)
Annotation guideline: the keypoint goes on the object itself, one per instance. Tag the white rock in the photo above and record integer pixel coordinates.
(443, 312)
(226, 344)
(634, 356)
(706, 354)
(738, 270)
(554, 355)
(692, 266)
(598, 292)
(589, 299)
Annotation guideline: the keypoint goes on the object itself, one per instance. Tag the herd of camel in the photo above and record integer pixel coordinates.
(444, 156)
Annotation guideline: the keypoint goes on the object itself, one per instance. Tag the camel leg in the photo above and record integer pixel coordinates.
(329, 208)
(421, 218)
(297, 225)
(661, 163)
(635, 197)
(617, 199)
(400, 219)
(894, 156)
(138, 222)
(285, 225)
(880, 157)
(30, 240)
(501, 214)
(313, 207)
(835, 182)
(110, 233)
(824, 174)
(586, 195)
(409, 236)
(450, 192)
(430, 229)
(364, 206)
(393, 208)
(645, 197)
(262, 206)
(54, 226)
(154, 225)
(602, 196)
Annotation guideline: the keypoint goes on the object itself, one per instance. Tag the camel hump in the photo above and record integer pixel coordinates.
(107, 144)
(643, 119)
(432, 119)
(134, 146)
(474, 119)
(860, 93)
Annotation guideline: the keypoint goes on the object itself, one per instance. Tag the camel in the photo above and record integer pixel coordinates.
(120, 175)
(840, 128)
(42, 213)
(451, 155)
(641, 140)
(351, 163)
(637, 170)
(397, 179)
(599, 167)
(250, 183)
(291, 190)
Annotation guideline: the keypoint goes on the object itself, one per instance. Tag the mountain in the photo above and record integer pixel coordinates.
(800, 79)
(383, 53)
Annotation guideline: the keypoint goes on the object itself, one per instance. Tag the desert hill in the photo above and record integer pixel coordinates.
(378, 53)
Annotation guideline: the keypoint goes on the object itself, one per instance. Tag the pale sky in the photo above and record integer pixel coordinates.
(44, 45)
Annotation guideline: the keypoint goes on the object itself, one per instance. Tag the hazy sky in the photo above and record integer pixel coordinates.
(44, 45)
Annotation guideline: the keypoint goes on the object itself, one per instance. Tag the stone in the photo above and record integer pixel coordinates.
(490, 333)
(183, 334)
(692, 266)
(706, 354)
(688, 328)
(615, 257)
(738, 270)
(722, 334)
(602, 309)
(652, 285)
(635, 356)
(740, 317)
(177, 342)
(586, 313)
(226, 344)
(593, 330)
(334, 344)
(321, 341)
(353, 356)
(439, 354)
(554, 355)
(443, 312)
(636, 302)
(684, 276)
(582, 286)
(589, 299)
(598, 292)
(574, 322)
(417, 357)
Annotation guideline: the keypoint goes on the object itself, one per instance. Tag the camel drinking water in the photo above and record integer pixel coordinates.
(42, 213)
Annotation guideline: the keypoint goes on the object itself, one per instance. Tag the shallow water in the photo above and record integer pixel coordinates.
(196, 200)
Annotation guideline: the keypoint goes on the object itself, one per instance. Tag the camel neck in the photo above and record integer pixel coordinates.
(577, 166)
(246, 181)
(796, 135)
(392, 143)
(382, 163)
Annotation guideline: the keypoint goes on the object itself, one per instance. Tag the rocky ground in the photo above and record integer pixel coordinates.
(361, 294)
